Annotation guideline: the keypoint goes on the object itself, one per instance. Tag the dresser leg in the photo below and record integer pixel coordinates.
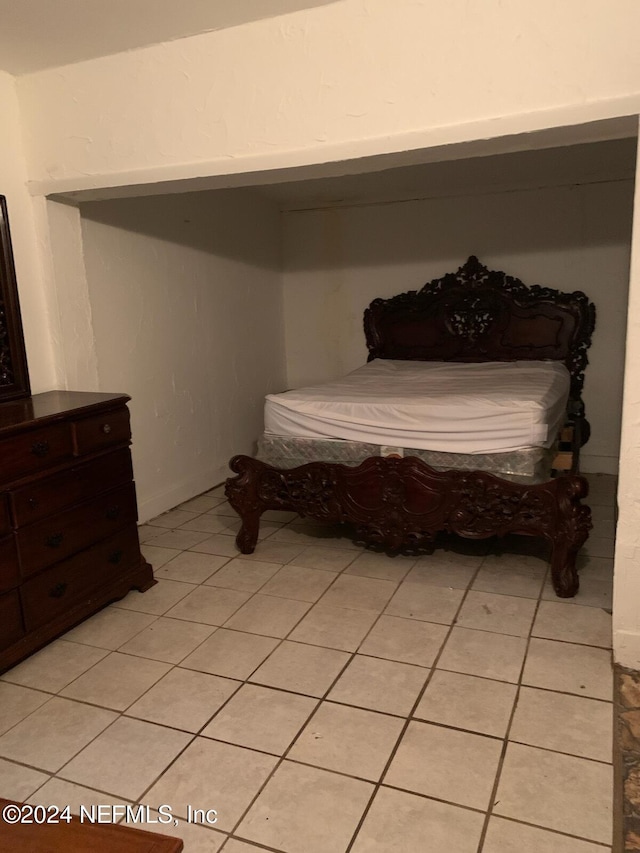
(144, 578)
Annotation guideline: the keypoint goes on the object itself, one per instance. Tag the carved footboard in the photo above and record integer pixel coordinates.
(402, 504)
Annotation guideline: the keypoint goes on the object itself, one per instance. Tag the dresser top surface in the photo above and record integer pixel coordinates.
(54, 405)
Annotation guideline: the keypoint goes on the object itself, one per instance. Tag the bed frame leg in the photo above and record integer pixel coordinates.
(247, 538)
(573, 523)
(564, 574)
(243, 494)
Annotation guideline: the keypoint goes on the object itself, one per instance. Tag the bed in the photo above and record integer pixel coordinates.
(452, 426)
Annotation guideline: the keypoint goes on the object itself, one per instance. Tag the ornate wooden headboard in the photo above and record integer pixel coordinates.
(476, 314)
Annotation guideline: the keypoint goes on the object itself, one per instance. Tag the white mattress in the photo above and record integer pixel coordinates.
(443, 406)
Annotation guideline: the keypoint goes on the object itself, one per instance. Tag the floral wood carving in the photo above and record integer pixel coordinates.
(472, 318)
(311, 486)
(401, 504)
(477, 314)
(485, 505)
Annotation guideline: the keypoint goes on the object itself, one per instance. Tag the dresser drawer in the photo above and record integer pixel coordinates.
(45, 497)
(9, 574)
(34, 451)
(60, 587)
(11, 627)
(101, 431)
(54, 538)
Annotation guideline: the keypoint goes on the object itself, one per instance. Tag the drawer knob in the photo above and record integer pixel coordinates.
(54, 541)
(115, 557)
(32, 502)
(113, 512)
(58, 590)
(40, 448)
(106, 428)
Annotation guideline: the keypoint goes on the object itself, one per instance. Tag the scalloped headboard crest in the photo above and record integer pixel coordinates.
(477, 314)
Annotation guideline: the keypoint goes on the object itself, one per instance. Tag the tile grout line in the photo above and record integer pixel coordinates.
(320, 699)
(409, 717)
(606, 848)
(242, 683)
(122, 713)
(496, 782)
(492, 801)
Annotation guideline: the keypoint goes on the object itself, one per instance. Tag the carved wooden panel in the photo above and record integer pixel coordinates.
(402, 504)
(480, 315)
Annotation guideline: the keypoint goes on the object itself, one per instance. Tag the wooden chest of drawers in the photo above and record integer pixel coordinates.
(68, 536)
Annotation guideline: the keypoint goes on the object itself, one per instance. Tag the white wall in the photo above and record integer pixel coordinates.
(626, 592)
(37, 304)
(74, 335)
(572, 238)
(186, 301)
(343, 80)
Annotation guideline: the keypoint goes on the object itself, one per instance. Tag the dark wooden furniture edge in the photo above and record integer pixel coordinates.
(139, 577)
(52, 407)
(402, 504)
(14, 372)
(78, 836)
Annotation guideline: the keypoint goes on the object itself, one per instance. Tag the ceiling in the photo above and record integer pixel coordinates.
(38, 34)
(608, 160)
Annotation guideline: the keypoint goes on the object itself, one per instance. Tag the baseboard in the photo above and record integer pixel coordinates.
(626, 648)
(598, 464)
(149, 506)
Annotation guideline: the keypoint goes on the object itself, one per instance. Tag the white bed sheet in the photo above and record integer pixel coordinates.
(442, 406)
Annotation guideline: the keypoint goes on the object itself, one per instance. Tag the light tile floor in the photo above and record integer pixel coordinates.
(325, 699)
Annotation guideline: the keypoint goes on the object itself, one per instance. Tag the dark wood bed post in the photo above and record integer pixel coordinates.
(572, 526)
(242, 492)
(474, 315)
